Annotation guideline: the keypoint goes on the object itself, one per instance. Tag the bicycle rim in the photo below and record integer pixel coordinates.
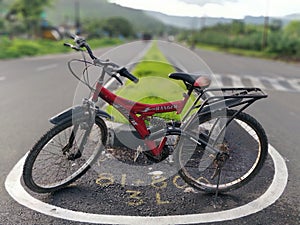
(49, 168)
(243, 139)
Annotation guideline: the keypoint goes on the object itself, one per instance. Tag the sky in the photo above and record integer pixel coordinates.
(237, 9)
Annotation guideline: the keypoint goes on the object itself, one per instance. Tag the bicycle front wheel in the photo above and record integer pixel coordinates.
(244, 141)
(55, 161)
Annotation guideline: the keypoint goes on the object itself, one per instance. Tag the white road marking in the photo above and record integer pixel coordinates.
(216, 80)
(47, 67)
(236, 80)
(277, 187)
(52, 56)
(276, 84)
(256, 82)
(295, 83)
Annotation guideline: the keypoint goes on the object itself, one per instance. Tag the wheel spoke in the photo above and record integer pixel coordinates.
(47, 169)
(243, 140)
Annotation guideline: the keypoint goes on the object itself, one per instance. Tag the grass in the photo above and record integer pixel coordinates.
(17, 48)
(238, 51)
(154, 85)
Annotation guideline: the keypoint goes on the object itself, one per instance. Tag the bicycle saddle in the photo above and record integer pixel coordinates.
(195, 80)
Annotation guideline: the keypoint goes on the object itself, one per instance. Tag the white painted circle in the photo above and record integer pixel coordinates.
(16, 190)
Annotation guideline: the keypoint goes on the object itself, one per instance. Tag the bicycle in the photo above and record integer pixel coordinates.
(217, 147)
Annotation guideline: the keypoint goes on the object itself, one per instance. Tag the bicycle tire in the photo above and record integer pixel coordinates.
(247, 154)
(41, 161)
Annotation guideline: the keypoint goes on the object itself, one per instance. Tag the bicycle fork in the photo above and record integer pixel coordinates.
(87, 126)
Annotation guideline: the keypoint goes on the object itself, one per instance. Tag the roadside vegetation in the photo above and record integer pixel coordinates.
(23, 24)
(18, 47)
(26, 31)
(272, 41)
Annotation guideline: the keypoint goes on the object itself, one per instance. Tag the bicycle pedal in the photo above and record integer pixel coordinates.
(137, 153)
(170, 159)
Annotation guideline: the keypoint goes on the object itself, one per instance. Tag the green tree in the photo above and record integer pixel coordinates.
(29, 12)
(275, 25)
(116, 26)
(237, 27)
(290, 43)
(293, 29)
(93, 27)
(1, 24)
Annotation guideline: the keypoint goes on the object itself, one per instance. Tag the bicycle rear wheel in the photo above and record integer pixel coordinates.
(244, 140)
(52, 162)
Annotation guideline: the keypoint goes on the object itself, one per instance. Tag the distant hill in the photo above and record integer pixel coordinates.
(64, 12)
(198, 22)
(295, 16)
(187, 22)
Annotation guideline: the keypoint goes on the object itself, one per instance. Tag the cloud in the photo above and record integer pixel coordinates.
(204, 2)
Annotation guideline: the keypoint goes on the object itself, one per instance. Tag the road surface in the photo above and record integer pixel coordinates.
(34, 89)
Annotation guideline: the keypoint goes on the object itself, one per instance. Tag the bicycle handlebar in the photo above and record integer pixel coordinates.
(125, 73)
(81, 43)
(72, 46)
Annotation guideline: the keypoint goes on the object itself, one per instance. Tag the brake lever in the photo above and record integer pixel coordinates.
(72, 46)
(117, 78)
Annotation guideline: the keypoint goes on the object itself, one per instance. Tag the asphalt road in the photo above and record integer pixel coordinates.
(34, 89)
(279, 114)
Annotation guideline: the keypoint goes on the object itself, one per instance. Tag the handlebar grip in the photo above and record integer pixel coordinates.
(72, 46)
(125, 73)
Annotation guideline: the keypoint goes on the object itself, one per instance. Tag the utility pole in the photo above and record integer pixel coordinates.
(266, 27)
(28, 23)
(203, 22)
(265, 33)
(77, 17)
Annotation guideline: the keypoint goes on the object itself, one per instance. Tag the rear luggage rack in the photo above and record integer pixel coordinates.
(216, 98)
(224, 98)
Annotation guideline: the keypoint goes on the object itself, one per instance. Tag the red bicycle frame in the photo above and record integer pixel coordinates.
(137, 113)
